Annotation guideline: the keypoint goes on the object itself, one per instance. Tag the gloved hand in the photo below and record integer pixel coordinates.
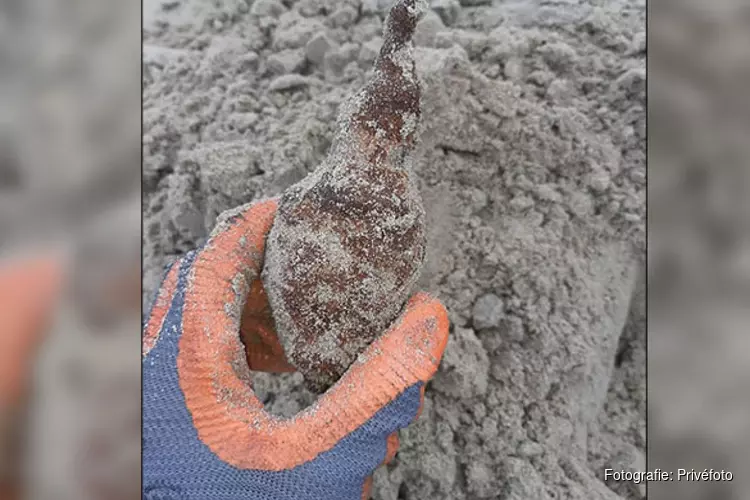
(205, 433)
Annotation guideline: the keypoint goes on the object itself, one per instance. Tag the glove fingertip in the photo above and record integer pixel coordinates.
(367, 488)
(391, 447)
(160, 307)
(421, 403)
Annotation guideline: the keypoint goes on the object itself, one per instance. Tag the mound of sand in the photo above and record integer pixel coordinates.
(532, 171)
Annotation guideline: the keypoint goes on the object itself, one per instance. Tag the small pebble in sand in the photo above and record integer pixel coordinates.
(428, 29)
(289, 82)
(337, 59)
(344, 16)
(513, 69)
(530, 449)
(317, 47)
(448, 10)
(480, 480)
(369, 50)
(370, 7)
(287, 61)
(487, 312)
(267, 8)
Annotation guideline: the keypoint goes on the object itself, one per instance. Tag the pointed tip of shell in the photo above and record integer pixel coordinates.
(415, 8)
(402, 21)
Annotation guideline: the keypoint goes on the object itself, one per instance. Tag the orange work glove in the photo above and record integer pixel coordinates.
(207, 435)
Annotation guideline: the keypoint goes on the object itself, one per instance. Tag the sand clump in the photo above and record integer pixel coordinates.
(531, 167)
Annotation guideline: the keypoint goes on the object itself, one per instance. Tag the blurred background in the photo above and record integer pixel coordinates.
(699, 244)
(70, 247)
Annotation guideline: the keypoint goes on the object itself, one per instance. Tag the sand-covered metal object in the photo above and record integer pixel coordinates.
(348, 241)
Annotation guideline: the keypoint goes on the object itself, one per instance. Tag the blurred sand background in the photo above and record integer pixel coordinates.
(699, 251)
(69, 182)
(70, 187)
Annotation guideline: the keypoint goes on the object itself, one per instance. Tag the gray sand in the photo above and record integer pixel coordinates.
(532, 170)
